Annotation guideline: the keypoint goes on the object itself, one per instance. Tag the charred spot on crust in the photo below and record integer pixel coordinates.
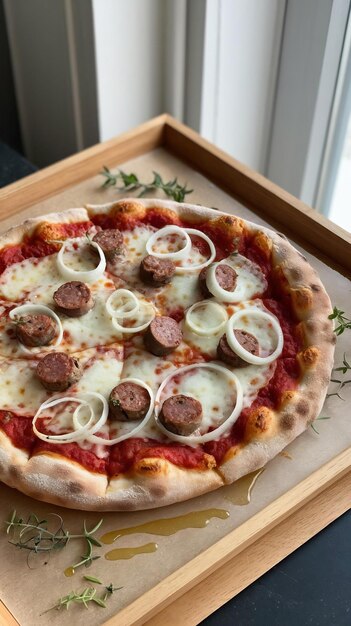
(149, 467)
(75, 487)
(310, 356)
(315, 287)
(209, 461)
(296, 273)
(287, 421)
(302, 408)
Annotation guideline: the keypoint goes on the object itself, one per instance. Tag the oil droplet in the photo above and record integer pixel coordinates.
(128, 553)
(168, 526)
(240, 492)
(69, 571)
(286, 455)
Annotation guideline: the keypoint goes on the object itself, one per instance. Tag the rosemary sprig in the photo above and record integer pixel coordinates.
(321, 417)
(342, 321)
(36, 536)
(84, 597)
(131, 182)
(81, 597)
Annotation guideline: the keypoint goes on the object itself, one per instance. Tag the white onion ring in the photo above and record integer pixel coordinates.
(103, 417)
(237, 347)
(120, 311)
(169, 230)
(87, 276)
(214, 287)
(43, 310)
(217, 432)
(66, 437)
(212, 330)
(200, 266)
(135, 329)
(134, 431)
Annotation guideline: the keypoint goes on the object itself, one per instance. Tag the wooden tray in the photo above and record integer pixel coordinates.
(244, 554)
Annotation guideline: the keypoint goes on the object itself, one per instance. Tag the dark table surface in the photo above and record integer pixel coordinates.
(310, 587)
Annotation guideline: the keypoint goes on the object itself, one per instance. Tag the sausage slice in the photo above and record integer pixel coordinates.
(74, 298)
(181, 414)
(129, 401)
(110, 242)
(162, 336)
(35, 330)
(226, 277)
(58, 371)
(156, 271)
(226, 354)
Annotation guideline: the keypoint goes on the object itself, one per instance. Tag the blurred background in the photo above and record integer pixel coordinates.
(269, 81)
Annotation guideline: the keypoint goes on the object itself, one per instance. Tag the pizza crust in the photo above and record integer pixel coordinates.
(157, 482)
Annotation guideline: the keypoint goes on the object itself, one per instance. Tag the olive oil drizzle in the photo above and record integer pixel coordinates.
(167, 526)
(239, 493)
(128, 553)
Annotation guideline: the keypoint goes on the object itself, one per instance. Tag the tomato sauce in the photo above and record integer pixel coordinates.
(34, 247)
(123, 455)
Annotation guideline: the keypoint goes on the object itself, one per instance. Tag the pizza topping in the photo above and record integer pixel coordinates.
(249, 283)
(89, 276)
(91, 425)
(162, 336)
(181, 414)
(206, 318)
(35, 325)
(200, 384)
(74, 298)
(267, 331)
(58, 371)
(190, 267)
(129, 401)
(110, 241)
(140, 426)
(155, 271)
(219, 279)
(246, 340)
(122, 303)
(172, 234)
(35, 330)
(140, 321)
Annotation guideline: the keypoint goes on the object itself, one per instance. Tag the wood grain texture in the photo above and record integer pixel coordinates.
(199, 568)
(257, 559)
(78, 167)
(259, 193)
(6, 618)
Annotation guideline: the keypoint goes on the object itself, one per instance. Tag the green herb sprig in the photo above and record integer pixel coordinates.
(342, 321)
(84, 597)
(36, 536)
(321, 417)
(131, 182)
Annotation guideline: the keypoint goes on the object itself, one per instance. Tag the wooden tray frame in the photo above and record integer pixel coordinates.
(269, 536)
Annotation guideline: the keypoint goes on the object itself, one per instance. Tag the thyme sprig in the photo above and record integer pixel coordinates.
(321, 417)
(342, 321)
(36, 536)
(344, 368)
(131, 182)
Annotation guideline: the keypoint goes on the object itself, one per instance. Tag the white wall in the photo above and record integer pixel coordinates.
(241, 42)
(129, 62)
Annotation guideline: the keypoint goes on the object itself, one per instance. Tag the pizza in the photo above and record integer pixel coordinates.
(152, 351)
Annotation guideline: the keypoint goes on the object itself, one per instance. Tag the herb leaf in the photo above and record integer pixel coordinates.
(320, 417)
(130, 182)
(342, 321)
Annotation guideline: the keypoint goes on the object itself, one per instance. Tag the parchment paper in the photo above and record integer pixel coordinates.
(29, 592)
